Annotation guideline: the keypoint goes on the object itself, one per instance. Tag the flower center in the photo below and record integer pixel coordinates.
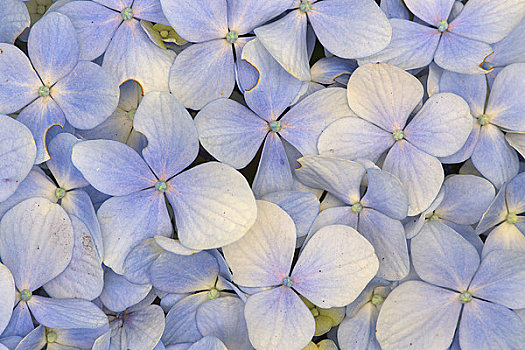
(26, 295)
(465, 297)
(433, 217)
(126, 14)
(305, 6)
(43, 91)
(275, 125)
(160, 186)
(131, 114)
(287, 281)
(398, 134)
(232, 36)
(51, 337)
(442, 26)
(60, 193)
(483, 120)
(377, 299)
(357, 208)
(512, 218)
(487, 66)
(213, 293)
(164, 33)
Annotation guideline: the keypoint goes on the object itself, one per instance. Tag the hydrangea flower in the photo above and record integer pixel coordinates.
(362, 23)
(383, 96)
(457, 43)
(376, 214)
(17, 155)
(113, 28)
(15, 18)
(37, 245)
(54, 86)
(503, 219)
(212, 203)
(205, 71)
(233, 133)
(456, 291)
(332, 269)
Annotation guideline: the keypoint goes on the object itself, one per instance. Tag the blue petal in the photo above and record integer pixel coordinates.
(515, 196)
(7, 295)
(60, 164)
(172, 137)
(15, 19)
(181, 325)
(138, 262)
(431, 11)
(149, 10)
(21, 322)
(53, 47)
(208, 343)
(358, 331)
(142, 328)
(245, 15)
(460, 54)
(119, 294)
(116, 5)
(328, 70)
(36, 339)
(17, 155)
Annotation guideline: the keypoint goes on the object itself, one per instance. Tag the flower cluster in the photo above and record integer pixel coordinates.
(270, 175)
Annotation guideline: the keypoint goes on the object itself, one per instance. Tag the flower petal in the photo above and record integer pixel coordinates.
(213, 205)
(208, 343)
(471, 87)
(36, 242)
(358, 331)
(112, 167)
(278, 319)
(7, 294)
(138, 262)
(444, 258)
(460, 54)
(202, 73)
(334, 267)
(119, 294)
(263, 257)
(15, 18)
(230, 132)
(60, 164)
(386, 194)
(245, 15)
(431, 11)
(143, 328)
(180, 321)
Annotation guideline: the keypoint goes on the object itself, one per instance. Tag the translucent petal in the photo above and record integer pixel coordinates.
(181, 325)
(386, 194)
(431, 11)
(15, 19)
(7, 294)
(460, 54)
(60, 164)
(119, 294)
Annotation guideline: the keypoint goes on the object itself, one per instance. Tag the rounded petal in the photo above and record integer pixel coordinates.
(172, 138)
(15, 18)
(142, 328)
(431, 11)
(181, 325)
(442, 126)
(208, 343)
(418, 316)
(263, 257)
(334, 267)
(138, 262)
(60, 164)
(7, 295)
(213, 205)
(17, 155)
(358, 331)
(442, 257)
(384, 95)
(460, 54)
(53, 47)
(278, 319)
(245, 15)
(36, 243)
(471, 87)
(119, 294)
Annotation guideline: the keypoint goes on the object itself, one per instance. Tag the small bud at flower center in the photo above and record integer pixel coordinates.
(483, 120)
(275, 125)
(60, 193)
(377, 299)
(442, 26)
(398, 134)
(287, 281)
(357, 208)
(164, 33)
(43, 91)
(512, 218)
(433, 217)
(465, 297)
(305, 6)
(51, 337)
(232, 36)
(26, 295)
(161, 186)
(213, 293)
(126, 14)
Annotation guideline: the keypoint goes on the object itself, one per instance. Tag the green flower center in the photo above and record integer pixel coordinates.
(487, 66)
(161, 186)
(465, 297)
(232, 36)
(51, 337)
(164, 33)
(377, 299)
(126, 14)
(287, 281)
(213, 293)
(398, 134)
(433, 217)
(357, 208)
(43, 91)
(60, 193)
(512, 218)
(26, 295)
(483, 120)
(305, 6)
(275, 125)
(442, 26)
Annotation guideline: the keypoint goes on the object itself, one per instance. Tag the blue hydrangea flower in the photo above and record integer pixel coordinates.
(37, 245)
(233, 133)
(503, 219)
(456, 291)
(487, 145)
(376, 214)
(113, 28)
(7, 295)
(333, 268)
(365, 28)
(457, 43)
(17, 155)
(54, 86)
(212, 203)
(15, 18)
(384, 96)
(205, 71)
